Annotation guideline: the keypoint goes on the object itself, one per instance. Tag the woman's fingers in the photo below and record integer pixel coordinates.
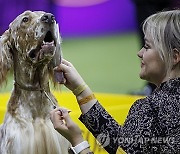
(66, 117)
(66, 62)
(61, 67)
(57, 118)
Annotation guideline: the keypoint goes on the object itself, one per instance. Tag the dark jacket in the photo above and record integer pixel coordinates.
(151, 127)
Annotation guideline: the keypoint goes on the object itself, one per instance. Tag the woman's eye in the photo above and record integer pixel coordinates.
(146, 46)
(25, 19)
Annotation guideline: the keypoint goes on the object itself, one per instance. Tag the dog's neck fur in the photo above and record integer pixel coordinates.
(31, 84)
(30, 75)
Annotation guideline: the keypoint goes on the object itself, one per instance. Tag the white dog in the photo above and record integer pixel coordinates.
(29, 48)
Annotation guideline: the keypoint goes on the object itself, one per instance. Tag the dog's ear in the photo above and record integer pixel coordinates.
(6, 61)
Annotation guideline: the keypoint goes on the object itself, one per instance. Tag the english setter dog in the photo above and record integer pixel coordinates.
(29, 48)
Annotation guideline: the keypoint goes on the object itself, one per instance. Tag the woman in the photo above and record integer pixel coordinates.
(153, 123)
(145, 8)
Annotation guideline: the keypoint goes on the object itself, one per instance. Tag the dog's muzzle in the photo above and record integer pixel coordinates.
(48, 18)
(46, 47)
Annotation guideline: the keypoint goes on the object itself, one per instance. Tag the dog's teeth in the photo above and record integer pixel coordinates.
(49, 43)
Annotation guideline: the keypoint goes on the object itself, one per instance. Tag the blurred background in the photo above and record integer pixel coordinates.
(99, 37)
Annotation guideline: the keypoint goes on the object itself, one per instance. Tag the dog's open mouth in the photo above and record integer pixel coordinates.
(45, 50)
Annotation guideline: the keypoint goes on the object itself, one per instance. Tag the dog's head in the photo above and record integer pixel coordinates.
(31, 38)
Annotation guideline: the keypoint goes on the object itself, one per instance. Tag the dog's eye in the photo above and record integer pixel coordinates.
(25, 19)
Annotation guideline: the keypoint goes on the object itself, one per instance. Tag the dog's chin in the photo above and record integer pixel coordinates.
(42, 54)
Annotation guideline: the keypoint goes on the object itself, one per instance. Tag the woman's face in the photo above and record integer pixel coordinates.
(152, 67)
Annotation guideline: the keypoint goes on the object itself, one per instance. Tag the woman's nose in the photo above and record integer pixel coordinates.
(140, 53)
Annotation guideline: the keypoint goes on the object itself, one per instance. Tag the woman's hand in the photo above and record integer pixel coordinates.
(65, 126)
(72, 77)
(73, 81)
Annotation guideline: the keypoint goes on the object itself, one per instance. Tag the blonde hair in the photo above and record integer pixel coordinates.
(163, 29)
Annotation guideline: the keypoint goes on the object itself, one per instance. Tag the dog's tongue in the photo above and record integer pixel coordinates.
(47, 49)
(58, 76)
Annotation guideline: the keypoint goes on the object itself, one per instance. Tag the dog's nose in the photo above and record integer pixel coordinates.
(48, 18)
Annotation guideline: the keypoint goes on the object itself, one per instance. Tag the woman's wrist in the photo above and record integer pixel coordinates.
(85, 97)
(76, 141)
(82, 148)
(79, 89)
(86, 100)
(86, 92)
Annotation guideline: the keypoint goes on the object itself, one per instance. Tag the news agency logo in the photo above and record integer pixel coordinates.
(103, 140)
(145, 140)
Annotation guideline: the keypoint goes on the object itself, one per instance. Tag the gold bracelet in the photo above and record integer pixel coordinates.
(86, 99)
(79, 89)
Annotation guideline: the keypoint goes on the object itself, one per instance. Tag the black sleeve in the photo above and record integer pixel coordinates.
(112, 135)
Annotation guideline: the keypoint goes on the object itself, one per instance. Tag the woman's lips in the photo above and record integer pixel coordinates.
(142, 64)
